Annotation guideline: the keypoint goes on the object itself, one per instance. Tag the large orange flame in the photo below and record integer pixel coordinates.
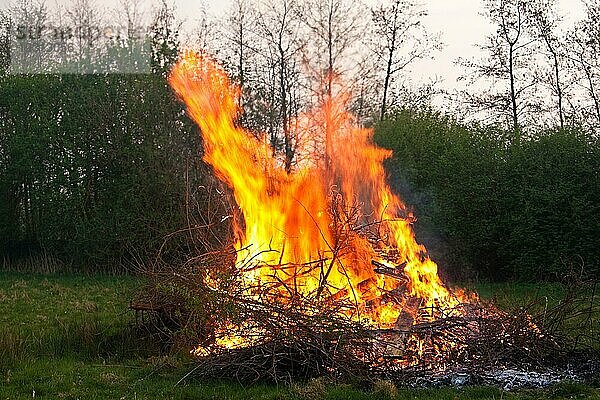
(301, 228)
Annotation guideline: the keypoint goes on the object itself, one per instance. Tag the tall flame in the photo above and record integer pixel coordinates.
(292, 219)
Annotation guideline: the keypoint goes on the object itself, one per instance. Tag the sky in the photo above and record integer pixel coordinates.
(462, 26)
(459, 23)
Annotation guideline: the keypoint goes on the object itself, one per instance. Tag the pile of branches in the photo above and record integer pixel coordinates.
(288, 343)
(269, 334)
(279, 341)
(478, 338)
(304, 337)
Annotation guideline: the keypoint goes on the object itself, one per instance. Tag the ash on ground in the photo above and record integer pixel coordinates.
(586, 370)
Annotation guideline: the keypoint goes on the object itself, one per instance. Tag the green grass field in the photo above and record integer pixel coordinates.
(71, 337)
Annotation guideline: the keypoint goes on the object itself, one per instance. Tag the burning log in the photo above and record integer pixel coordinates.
(406, 319)
(395, 272)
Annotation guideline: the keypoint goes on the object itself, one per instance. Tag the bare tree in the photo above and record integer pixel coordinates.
(279, 25)
(239, 53)
(83, 17)
(335, 29)
(544, 24)
(241, 24)
(205, 33)
(584, 56)
(30, 13)
(366, 88)
(28, 18)
(509, 56)
(400, 40)
(165, 37)
(133, 14)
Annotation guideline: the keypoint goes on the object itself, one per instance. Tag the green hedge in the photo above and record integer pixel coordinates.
(95, 170)
(92, 168)
(494, 209)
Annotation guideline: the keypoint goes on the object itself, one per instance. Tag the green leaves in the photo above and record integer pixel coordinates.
(494, 209)
(92, 166)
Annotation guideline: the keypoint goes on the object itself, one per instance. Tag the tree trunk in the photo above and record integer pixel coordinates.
(388, 74)
(559, 92)
(284, 110)
(329, 90)
(513, 95)
(592, 92)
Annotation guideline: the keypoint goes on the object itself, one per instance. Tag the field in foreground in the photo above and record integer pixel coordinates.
(71, 337)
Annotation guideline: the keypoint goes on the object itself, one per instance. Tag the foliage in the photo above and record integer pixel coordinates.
(93, 168)
(502, 210)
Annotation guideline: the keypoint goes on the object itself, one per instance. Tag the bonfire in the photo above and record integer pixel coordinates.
(325, 275)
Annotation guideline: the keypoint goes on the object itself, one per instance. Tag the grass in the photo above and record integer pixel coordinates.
(59, 316)
(71, 337)
(541, 297)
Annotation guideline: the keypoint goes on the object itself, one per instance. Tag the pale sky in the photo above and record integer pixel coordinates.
(458, 21)
(462, 27)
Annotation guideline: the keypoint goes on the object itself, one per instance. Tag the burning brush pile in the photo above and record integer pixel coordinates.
(325, 276)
